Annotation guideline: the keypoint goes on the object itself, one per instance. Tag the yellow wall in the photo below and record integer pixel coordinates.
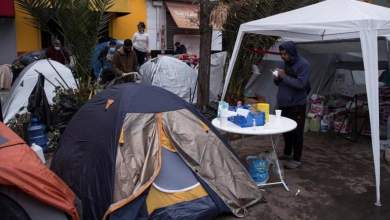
(27, 37)
(125, 26)
(121, 6)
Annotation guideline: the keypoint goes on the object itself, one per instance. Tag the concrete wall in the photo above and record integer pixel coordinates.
(7, 40)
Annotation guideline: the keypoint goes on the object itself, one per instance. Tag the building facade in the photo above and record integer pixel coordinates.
(18, 36)
(167, 21)
(171, 21)
(7, 31)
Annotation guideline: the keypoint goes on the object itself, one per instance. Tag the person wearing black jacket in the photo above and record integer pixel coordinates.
(294, 86)
(180, 48)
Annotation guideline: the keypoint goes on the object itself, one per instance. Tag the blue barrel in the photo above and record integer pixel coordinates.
(37, 134)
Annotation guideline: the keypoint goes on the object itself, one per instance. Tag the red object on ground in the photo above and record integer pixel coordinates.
(22, 168)
(7, 8)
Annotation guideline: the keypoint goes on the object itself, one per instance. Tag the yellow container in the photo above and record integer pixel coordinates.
(264, 107)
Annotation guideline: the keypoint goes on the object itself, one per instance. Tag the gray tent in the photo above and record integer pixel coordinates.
(177, 77)
(171, 74)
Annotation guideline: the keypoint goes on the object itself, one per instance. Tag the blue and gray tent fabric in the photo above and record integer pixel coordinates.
(119, 167)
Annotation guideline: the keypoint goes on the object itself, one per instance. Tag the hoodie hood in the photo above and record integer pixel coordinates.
(291, 49)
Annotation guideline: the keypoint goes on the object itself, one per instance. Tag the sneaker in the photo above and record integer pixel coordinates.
(285, 157)
(292, 164)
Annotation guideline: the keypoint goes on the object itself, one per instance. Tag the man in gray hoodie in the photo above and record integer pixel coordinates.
(294, 86)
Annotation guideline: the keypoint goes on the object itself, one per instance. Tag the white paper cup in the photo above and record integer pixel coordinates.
(278, 113)
(275, 73)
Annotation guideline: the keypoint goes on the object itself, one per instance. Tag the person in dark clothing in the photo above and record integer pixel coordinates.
(294, 86)
(385, 77)
(180, 48)
(58, 53)
(106, 55)
(125, 59)
(105, 58)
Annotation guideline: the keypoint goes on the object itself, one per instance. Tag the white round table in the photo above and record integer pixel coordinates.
(272, 128)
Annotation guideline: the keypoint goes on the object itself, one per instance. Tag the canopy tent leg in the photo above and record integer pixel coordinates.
(232, 62)
(369, 44)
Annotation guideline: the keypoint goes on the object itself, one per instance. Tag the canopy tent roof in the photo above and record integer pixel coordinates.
(327, 20)
(332, 20)
(351, 46)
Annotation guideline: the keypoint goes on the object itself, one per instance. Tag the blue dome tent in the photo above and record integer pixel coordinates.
(140, 152)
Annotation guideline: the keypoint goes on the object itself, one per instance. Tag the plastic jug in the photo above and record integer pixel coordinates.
(258, 169)
(37, 134)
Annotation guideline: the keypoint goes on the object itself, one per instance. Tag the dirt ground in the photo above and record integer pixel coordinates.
(335, 182)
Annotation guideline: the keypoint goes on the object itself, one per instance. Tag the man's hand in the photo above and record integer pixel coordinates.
(281, 73)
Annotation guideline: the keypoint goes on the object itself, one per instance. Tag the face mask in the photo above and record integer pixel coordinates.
(57, 48)
(112, 50)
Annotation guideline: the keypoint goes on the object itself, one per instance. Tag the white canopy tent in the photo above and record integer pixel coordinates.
(332, 20)
(328, 60)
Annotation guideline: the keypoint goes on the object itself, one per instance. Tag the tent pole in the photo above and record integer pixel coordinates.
(388, 51)
(48, 79)
(58, 74)
(232, 62)
(369, 44)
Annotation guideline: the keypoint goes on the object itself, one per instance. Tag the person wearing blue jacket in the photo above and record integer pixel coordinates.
(294, 86)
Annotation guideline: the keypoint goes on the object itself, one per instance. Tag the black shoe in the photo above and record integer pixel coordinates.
(292, 164)
(285, 157)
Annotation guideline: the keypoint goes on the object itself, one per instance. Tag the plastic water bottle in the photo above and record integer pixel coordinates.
(222, 108)
(37, 134)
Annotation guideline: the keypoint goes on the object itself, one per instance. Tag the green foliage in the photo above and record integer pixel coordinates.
(245, 11)
(65, 104)
(80, 22)
(19, 124)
